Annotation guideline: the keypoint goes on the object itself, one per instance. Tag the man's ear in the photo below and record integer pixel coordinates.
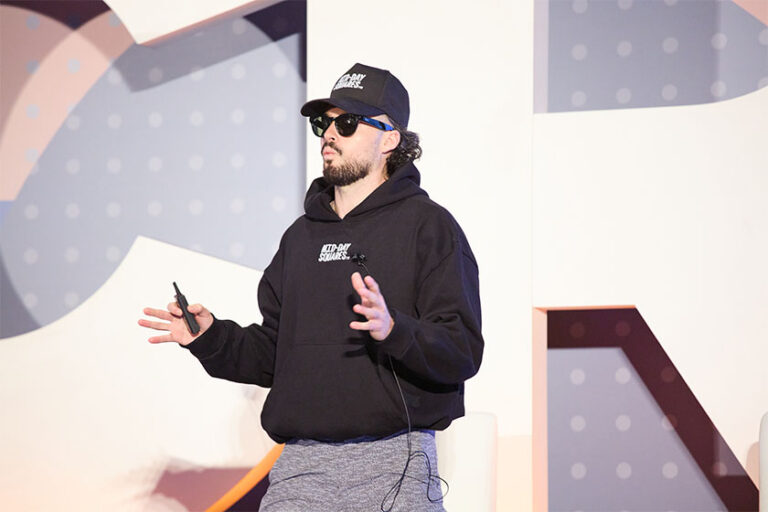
(391, 141)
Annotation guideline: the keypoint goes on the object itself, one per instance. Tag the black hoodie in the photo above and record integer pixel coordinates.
(330, 382)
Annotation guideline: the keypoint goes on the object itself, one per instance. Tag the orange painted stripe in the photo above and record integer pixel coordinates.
(253, 477)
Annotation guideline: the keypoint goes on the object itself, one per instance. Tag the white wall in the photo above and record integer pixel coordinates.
(665, 208)
(97, 418)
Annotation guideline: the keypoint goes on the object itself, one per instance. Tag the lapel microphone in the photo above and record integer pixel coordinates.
(358, 257)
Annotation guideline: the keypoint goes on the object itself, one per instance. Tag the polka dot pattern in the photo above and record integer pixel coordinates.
(237, 205)
(237, 161)
(669, 92)
(577, 330)
(625, 53)
(155, 75)
(196, 162)
(578, 98)
(73, 166)
(622, 375)
(578, 423)
(762, 38)
(237, 116)
(623, 422)
(578, 471)
(73, 122)
(578, 377)
(624, 49)
(579, 6)
(155, 119)
(177, 142)
(71, 255)
(624, 470)
(669, 470)
(608, 440)
(115, 121)
(623, 95)
(579, 52)
(622, 329)
(670, 45)
(155, 164)
(31, 256)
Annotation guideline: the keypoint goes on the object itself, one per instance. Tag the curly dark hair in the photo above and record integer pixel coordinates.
(407, 151)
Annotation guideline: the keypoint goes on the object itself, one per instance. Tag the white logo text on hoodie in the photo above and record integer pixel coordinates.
(334, 252)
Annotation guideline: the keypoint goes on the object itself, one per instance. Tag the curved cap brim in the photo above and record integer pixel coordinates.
(316, 107)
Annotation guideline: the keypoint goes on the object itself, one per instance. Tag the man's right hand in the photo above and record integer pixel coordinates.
(173, 322)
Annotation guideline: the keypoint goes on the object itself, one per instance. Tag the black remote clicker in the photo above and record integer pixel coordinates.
(188, 317)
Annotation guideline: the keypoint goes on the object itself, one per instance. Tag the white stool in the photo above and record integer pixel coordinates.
(466, 459)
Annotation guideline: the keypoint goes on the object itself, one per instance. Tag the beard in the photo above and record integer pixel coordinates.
(346, 173)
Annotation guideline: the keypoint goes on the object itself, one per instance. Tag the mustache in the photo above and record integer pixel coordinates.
(331, 145)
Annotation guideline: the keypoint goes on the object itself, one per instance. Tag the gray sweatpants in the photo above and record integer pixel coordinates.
(355, 476)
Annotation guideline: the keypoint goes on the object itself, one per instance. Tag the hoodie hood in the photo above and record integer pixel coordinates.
(403, 183)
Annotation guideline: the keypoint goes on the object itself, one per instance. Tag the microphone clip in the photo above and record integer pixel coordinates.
(358, 258)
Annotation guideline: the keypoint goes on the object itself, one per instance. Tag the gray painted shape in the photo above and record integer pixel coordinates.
(197, 142)
(14, 317)
(622, 54)
(4, 207)
(610, 448)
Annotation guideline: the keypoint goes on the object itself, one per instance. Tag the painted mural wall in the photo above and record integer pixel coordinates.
(124, 168)
(595, 152)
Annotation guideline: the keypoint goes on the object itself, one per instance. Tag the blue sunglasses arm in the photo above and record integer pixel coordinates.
(378, 124)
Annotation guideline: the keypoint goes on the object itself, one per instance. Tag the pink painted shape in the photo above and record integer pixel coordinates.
(20, 44)
(53, 89)
(757, 8)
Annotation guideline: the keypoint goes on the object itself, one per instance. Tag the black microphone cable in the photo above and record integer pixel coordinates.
(412, 456)
(359, 259)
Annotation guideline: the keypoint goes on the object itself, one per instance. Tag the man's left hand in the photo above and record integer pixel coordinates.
(373, 307)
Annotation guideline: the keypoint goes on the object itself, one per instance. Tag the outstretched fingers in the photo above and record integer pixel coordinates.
(158, 326)
(369, 297)
(367, 312)
(171, 321)
(360, 326)
(162, 314)
(161, 339)
(372, 285)
(372, 306)
(358, 284)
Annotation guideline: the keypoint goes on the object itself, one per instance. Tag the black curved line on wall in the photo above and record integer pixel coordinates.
(282, 20)
(694, 427)
(72, 13)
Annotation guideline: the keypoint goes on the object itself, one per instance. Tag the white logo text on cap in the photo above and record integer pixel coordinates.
(350, 81)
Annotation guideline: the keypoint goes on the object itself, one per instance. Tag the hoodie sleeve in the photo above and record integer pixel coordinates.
(443, 342)
(244, 354)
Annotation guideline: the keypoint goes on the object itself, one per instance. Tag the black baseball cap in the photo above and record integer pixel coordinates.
(367, 91)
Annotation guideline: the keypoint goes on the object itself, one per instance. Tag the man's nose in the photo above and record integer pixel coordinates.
(330, 133)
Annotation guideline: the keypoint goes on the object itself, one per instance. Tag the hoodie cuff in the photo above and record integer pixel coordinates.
(208, 343)
(400, 338)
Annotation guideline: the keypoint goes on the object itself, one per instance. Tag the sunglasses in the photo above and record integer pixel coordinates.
(346, 124)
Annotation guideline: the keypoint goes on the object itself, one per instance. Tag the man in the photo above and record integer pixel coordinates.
(371, 318)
